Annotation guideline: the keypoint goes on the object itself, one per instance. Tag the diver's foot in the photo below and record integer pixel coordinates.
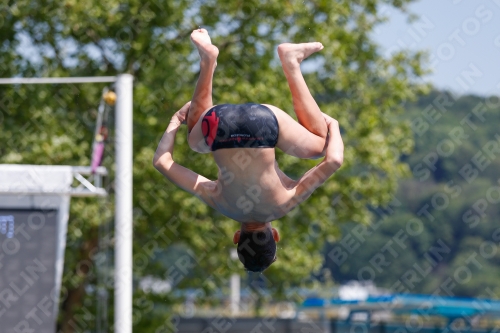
(293, 54)
(208, 51)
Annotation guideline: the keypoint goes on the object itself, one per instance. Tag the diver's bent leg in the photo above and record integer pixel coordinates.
(306, 108)
(294, 139)
(202, 97)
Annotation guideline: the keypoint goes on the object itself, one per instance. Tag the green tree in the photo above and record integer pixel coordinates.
(458, 209)
(149, 39)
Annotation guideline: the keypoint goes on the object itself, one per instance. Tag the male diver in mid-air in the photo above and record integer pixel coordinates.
(250, 188)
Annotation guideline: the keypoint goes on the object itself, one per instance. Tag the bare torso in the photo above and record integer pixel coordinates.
(250, 186)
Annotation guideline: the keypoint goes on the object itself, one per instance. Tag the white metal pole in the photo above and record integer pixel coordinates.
(235, 294)
(123, 201)
(235, 288)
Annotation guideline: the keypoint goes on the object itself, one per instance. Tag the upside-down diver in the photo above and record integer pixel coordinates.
(250, 188)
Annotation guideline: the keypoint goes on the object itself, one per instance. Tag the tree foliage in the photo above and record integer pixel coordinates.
(446, 217)
(150, 39)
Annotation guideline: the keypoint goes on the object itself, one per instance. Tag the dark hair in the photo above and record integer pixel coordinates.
(257, 250)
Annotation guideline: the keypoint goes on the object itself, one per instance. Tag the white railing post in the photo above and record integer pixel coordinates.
(123, 201)
(235, 288)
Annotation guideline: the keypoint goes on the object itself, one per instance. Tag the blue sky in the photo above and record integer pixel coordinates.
(461, 36)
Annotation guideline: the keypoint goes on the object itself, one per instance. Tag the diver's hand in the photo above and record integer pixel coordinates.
(334, 147)
(181, 115)
(329, 119)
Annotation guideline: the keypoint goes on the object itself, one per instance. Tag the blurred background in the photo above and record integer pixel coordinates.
(404, 237)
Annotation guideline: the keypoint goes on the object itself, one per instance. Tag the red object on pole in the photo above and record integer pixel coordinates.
(97, 154)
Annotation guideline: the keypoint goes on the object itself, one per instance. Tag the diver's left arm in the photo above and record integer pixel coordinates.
(334, 157)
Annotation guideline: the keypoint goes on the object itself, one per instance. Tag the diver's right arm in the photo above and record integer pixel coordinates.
(163, 161)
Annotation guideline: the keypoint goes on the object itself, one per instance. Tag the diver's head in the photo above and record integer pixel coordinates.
(256, 245)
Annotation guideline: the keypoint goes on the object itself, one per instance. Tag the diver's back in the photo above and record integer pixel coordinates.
(249, 187)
